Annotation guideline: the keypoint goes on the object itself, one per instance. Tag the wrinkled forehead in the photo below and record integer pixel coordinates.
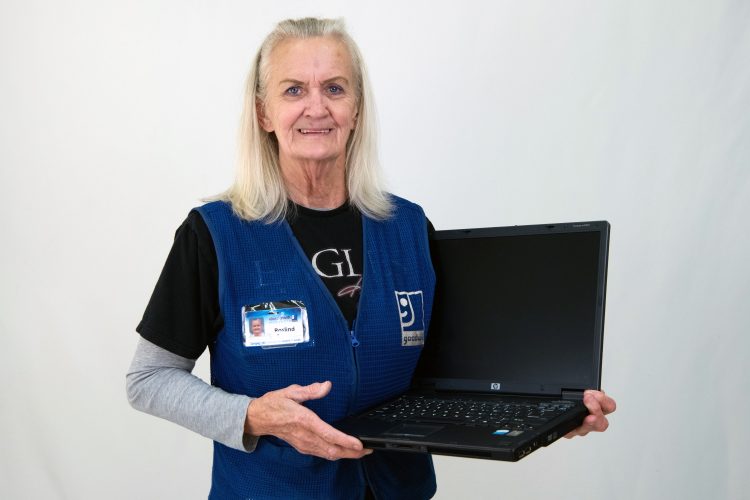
(306, 59)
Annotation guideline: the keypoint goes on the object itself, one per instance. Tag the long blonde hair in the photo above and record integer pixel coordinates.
(258, 191)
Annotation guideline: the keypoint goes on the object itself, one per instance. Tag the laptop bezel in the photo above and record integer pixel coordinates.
(548, 388)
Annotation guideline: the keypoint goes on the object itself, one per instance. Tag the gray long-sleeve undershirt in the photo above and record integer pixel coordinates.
(161, 383)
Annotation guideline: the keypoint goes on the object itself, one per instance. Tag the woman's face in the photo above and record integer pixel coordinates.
(310, 100)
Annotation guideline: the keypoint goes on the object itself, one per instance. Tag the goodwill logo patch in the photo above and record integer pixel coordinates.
(411, 315)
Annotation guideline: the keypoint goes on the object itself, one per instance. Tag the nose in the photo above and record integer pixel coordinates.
(316, 104)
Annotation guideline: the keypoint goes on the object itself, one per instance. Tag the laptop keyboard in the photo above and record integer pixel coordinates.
(516, 415)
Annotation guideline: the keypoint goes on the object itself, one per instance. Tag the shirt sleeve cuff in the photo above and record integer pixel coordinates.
(240, 440)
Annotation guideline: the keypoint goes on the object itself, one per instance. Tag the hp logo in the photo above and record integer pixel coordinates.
(495, 386)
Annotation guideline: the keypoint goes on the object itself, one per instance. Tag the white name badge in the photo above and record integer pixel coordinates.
(275, 324)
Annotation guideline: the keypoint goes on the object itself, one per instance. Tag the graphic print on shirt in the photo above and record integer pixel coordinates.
(335, 266)
(411, 314)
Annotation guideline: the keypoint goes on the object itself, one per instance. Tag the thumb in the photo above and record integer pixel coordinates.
(316, 390)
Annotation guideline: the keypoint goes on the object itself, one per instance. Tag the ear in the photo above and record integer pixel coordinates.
(263, 121)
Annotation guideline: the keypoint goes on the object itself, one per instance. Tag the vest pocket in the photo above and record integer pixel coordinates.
(266, 272)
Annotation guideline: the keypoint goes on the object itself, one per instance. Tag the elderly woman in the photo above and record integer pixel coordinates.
(288, 278)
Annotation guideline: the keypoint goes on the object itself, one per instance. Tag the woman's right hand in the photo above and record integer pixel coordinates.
(279, 413)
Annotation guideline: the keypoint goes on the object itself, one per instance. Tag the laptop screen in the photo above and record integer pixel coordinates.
(518, 309)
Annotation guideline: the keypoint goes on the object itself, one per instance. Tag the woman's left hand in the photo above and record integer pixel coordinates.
(599, 405)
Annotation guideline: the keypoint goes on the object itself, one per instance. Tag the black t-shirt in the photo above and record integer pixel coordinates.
(183, 315)
(332, 241)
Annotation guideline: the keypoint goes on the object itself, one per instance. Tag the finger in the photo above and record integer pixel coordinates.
(331, 435)
(581, 430)
(592, 403)
(308, 442)
(607, 404)
(303, 393)
(598, 423)
(595, 421)
(312, 435)
(596, 402)
(578, 431)
(337, 453)
(591, 423)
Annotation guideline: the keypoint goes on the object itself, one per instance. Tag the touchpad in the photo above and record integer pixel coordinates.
(412, 430)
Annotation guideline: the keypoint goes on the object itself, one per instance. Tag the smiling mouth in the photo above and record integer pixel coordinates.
(314, 131)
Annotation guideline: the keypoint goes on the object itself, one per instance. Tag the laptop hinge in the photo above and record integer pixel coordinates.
(574, 394)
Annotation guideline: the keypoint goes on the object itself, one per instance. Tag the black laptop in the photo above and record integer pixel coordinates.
(515, 338)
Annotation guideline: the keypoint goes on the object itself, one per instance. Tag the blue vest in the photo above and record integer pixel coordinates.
(263, 263)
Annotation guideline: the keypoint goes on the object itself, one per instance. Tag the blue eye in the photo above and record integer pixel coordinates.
(335, 89)
(296, 90)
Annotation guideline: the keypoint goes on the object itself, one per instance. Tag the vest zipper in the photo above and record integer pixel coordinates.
(355, 343)
(355, 340)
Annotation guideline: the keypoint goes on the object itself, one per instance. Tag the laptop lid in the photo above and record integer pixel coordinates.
(518, 310)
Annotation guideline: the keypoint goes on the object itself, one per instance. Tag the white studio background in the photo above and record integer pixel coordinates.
(117, 117)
